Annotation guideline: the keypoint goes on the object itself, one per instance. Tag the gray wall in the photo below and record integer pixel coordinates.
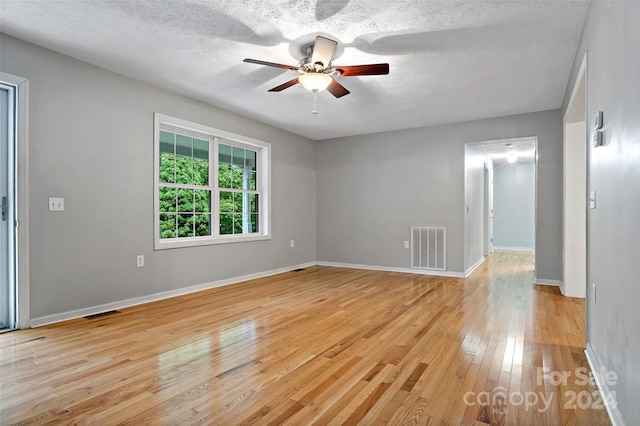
(611, 35)
(373, 188)
(513, 205)
(91, 142)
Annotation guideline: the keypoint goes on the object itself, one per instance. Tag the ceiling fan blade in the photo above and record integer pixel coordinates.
(323, 51)
(337, 89)
(371, 69)
(285, 85)
(270, 64)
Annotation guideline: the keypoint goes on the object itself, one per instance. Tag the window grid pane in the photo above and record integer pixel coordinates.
(185, 225)
(167, 225)
(226, 224)
(250, 160)
(201, 149)
(201, 173)
(224, 175)
(202, 224)
(238, 157)
(236, 177)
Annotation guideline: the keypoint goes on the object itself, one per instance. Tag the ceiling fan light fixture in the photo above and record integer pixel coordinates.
(315, 81)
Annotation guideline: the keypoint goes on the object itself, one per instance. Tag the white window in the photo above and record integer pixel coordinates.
(211, 186)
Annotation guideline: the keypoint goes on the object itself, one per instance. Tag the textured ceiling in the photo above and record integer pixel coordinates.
(449, 61)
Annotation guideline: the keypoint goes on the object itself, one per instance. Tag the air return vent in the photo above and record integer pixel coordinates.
(428, 248)
(101, 315)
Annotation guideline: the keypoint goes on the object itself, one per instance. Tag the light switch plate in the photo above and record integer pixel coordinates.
(56, 204)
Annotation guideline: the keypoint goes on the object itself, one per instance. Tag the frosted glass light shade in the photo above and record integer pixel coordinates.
(315, 81)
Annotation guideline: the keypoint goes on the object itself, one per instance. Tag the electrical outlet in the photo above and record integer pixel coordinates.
(292, 243)
(140, 260)
(406, 244)
(56, 204)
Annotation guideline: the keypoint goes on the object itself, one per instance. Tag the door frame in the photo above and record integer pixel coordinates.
(21, 224)
(576, 268)
(535, 188)
(487, 207)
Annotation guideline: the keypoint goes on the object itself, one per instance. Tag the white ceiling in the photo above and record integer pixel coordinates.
(450, 61)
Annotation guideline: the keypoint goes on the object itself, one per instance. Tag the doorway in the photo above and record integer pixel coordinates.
(500, 197)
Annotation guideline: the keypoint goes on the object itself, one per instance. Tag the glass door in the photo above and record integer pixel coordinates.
(7, 219)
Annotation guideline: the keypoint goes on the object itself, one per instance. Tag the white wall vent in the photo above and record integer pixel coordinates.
(429, 247)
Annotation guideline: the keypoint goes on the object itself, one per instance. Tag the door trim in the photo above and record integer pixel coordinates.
(576, 269)
(23, 314)
(535, 188)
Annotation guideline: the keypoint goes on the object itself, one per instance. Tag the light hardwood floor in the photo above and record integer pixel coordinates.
(319, 346)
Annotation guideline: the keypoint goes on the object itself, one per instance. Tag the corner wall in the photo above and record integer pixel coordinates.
(373, 188)
(610, 37)
(91, 142)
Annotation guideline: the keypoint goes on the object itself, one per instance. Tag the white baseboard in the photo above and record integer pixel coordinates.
(474, 266)
(599, 371)
(393, 269)
(543, 281)
(78, 313)
(513, 248)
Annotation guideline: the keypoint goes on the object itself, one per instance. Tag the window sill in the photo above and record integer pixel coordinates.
(207, 241)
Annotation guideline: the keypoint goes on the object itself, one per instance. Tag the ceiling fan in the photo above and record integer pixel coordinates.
(317, 71)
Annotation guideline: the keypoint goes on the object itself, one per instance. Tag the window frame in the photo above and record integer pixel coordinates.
(215, 137)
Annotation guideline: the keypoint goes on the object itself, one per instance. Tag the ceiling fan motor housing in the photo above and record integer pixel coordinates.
(306, 66)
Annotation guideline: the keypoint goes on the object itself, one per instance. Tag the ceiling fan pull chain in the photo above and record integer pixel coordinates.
(315, 103)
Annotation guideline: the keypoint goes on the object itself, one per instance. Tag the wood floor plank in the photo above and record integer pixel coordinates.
(319, 346)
